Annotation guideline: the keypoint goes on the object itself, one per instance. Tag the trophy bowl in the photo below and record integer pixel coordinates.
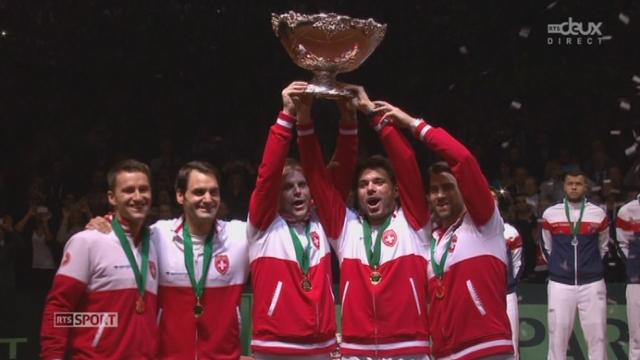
(327, 44)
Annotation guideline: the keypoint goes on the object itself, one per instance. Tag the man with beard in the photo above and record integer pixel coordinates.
(576, 235)
(113, 274)
(382, 250)
(467, 257)
(293, 306)
(203, 266)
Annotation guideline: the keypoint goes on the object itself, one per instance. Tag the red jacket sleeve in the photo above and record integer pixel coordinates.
(405, 166)
(342, 166)
(64, 296)
(330, 205)
(263, 205)
(471, 182)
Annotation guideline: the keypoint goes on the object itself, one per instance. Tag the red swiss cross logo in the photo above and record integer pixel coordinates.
(315, 239)
(66, 258)
(454, 240)
(222, 264)
(389, 238)
(153, 270)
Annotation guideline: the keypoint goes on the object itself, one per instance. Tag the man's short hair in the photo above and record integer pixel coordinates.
(574, 173)
(182, 179)
(376, 162)
(291, 164)
(440, 167)
(128, 165)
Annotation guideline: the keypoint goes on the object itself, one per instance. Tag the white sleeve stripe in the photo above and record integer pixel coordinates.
(305, 132)
(424, 131)
(348, 131)
(284, 123)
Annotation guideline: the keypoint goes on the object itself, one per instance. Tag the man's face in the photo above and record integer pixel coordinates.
(376, 195)
(201, 200)
(575, 187)
(295, 196)
(445, 197)
(131, 196)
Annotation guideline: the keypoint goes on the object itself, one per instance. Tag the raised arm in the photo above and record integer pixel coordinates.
(263, 205)
(464, 166)
(342, 165)
(68, 288)
(403, 160)
(330, 204)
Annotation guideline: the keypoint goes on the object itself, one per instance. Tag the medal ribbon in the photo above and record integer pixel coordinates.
(373, 256)
(438, 267)
(575, 227)
(302, 255)
(198, 287)
(140, 274)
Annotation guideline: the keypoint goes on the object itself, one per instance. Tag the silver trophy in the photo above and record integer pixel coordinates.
(327, 44)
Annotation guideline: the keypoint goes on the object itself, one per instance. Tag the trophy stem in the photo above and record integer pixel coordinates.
(324, 85)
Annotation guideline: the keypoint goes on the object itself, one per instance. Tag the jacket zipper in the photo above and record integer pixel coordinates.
(575, 264)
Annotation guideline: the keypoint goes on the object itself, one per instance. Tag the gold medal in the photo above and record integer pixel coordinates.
(140, 305)
(198, 309)
(375, 277)
(439, 290)
(306, 284)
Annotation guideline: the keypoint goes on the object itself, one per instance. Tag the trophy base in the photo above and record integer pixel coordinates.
(328, 92)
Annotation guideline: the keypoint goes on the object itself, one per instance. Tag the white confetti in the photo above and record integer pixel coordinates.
(3, 33)
(624, 105)
(606, 37)
(451, 86)
(516, 104)
(624, 18)
(505, 144)
(524, 32)
(463, 50)
(636, 79)
(615, 132)
(550, 6)
(631, 150)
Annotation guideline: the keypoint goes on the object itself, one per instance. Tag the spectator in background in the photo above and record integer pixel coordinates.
(75, 216)
(552, 188)
(38, 246)
(8, 243)
(236, 195)
(96, 195)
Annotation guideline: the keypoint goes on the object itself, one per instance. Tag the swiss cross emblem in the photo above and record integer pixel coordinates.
(66, 258)
(222, 263)
(315, 239)
(152, 269)
(389, 238)
(454, 240)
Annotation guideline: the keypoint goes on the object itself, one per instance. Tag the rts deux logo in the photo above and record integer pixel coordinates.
(576, 33)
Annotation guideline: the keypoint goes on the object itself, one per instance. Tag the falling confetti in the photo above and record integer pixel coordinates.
(463, 50)
(624, 105)
(550, 6)
(524, 32)
(516, 105)
(624, 18)
(615, 132)
(636, 79)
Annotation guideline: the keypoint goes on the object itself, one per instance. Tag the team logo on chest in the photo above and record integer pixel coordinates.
(222, 263)
(315, 239)
(66, 258)
(152, 269)
(389, 238)
(454, 241)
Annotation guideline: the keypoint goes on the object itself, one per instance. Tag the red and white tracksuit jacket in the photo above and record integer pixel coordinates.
(286, 319)
(216, 333)
(514, 257)
(470, 321)
(95, 276)
(390, 318)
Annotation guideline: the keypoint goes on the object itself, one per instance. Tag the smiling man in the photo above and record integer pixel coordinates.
(575, 234)
(111, 274)
(382, 250)
(203, 265)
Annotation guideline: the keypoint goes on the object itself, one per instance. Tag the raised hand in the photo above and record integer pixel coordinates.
(292, 98)
(396, 115)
